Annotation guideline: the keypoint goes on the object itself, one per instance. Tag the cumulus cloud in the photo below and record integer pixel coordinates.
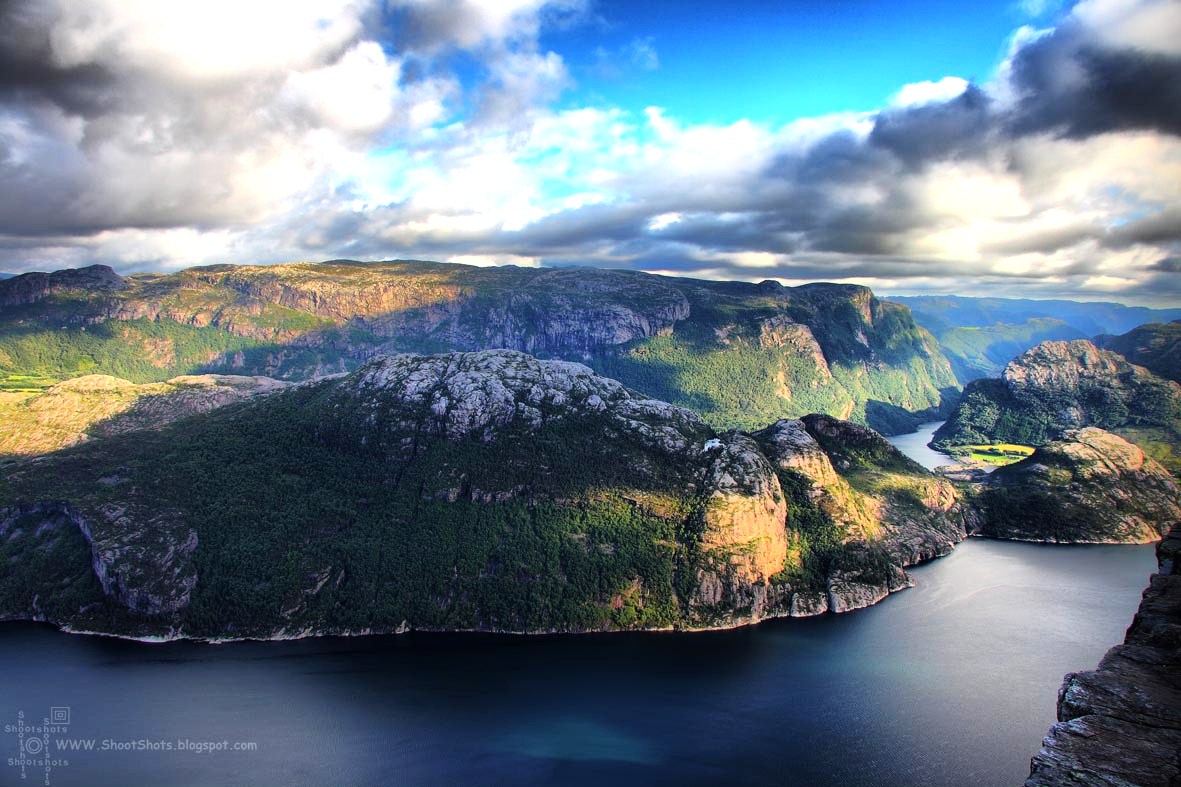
(153, 139)
(918, 93)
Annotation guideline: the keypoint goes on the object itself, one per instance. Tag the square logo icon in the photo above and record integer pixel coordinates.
(59, 714)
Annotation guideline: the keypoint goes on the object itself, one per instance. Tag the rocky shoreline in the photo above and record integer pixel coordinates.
(1121, 723)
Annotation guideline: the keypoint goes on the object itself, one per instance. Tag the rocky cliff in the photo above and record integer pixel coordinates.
(1058, 386)
(487, 490)
(1121, 723)
(1091, 486)
(741, 354)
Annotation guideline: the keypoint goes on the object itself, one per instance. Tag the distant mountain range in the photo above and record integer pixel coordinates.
(980, 335)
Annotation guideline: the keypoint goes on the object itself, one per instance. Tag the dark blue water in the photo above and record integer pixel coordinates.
(950, 683)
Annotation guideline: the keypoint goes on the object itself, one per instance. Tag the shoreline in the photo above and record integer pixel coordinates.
(405, 628)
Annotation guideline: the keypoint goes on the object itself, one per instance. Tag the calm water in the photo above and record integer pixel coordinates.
(914, 445)
(950, 683)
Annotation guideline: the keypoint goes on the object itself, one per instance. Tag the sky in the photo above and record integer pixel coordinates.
(1025, 148)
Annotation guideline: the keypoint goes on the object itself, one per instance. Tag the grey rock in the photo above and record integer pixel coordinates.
(1121, 724)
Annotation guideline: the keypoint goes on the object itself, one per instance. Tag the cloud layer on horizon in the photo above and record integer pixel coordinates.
(270, 131)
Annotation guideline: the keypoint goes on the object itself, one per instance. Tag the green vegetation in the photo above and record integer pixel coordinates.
(1155, 346)
(52, 555)
(36, 355)
(24, 383)
(742, 354)
(1000, 455)
(737, 386)
(745, 360)
(1049, 390)
(1091, 486)
(280, 501)
(982, 351)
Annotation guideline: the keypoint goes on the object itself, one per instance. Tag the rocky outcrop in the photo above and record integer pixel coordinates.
(143, 557)
(487, 490)
(85, 282)
(463, 395)
(551, 312)
(743, 538)
(1092, 487)
(791, 447)
(1121, 723)
(887, 512)
(142, 561)
(1058, 386)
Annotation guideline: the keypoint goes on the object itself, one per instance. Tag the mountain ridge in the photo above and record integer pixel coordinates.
(742, 354)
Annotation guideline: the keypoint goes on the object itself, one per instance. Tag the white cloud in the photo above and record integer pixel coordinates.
(235, 131)
(919, 93)
(1148, 25)
(203, 41)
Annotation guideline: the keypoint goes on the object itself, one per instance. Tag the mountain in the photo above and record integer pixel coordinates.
(1058, 386)
(740, 354)
(1089, 317)
(1155, 346)
(95, 405)
(1091, 486)
(486, 490)
(982, 351)
(980, 335)
(1120, 723)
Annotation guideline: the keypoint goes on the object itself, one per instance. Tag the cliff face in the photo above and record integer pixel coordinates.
(741, 354)
(487, 490)
(1058, 386)
(862, 512)
(1121, 723)
(1091, 486)
(1155, 346)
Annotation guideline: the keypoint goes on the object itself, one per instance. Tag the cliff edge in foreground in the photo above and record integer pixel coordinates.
(1121, 723)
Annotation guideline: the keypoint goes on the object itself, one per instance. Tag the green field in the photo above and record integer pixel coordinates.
(1000, 454)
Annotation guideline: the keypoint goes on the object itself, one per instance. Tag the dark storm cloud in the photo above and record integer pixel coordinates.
(953, 129)
(731, 233)
(1076, 88)
(1159, 228)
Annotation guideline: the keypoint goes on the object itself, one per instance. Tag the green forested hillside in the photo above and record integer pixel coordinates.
(1058, 386)
(742, 354)
(484, 490)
